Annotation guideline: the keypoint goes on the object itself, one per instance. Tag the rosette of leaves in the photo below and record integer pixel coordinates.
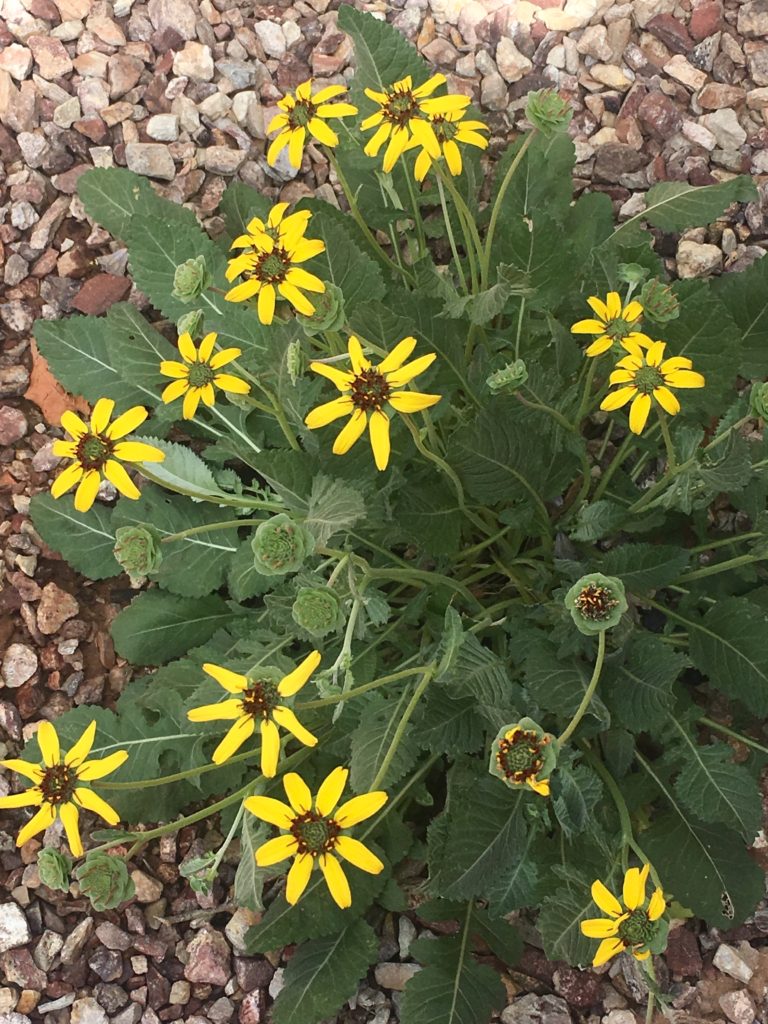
(191, 279)
(104, 879)
(317, 610)
(138, 551)
(54, 868)
(280, 545)
(548, 111)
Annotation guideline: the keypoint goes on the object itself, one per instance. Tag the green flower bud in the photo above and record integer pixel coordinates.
(191, 279)
(758, 399)
(54, 868)
(631, 273)
(191, 323)
(280, 546)
(138, 550)
(316, 609)
(329, 312)
(524, 755)
(659, 302)
(104, 879)
(596, 602)
(509, 378)
(548, 111)
(294, 361)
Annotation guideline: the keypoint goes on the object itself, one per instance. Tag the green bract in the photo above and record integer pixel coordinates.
(329, 312)
(509, 378)
(548, 111)
(317, 610)
(190, 279)
(104, 879)
(659, 301)
(191, 323)
(758, 399)
(54, 868)
(596, 602)
(138, 550)
(280, 546)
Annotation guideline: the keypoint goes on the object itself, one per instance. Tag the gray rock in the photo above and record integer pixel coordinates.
(14, 1018)
(47, 949)
(67, 113)
(14, 930)
(533, 1009)
(150, 159)
(16, 269)
(614, 160)
(493, 91)
(395, 976)
(724, 125)
(271, 37)
(222, 159)
(237, 926)
(511, 63)
(738, 1007)
(87, 1011)
(13, 426)
(194, 61)
(76, 940)
(175, 14)
(19, 665)
(697, 259)
(163, 127)
(753, 19)
(728, 961)
(23, 214)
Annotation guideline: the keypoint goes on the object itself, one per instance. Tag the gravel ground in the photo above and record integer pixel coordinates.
(181, 92)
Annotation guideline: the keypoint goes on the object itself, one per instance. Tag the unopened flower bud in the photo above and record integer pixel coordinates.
(548, 111)
(631, 273)
(758, 399)
(54, 868)
(280, 546)
(524, 755)
(138, 550)
(294, 361)
(104, 879)
(191, 279)
(316, 609)
(659, 302)
(509, 378)
(329, 312)
(596, 602)
(191, 323)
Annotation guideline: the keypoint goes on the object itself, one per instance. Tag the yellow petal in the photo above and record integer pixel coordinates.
(632, 311)
(406, 373)
(377, 140)
(360, 807)
(138, 451)
(244, 290)
(93, 802)
(300, 278)
(288, 720)
(170, 368)
(372, 121)
(336, 880)
(606, 900)
(174, 390)
(298, 793)
(615, 399)
(73, 425)
(299, 302)
(587, 327)
(350, 433)
(323, 132)
(87, 489)
(598, 346)
(70, 817)
(38, 823)
(228, 382)
(452, 155)
(278, 121)
(638, 413)
(65, 449)
(117, 475)
(358, 854)
(328, 93)
(298, 877)
(266, 305)
(684, 379)
(101, 414)
(412, 401)
(82, 748)
(341, 378)
(277, 145)
(443, 105)
(676, 363)
(540, 786)
(633, 892)
(232, 682)
(398, 355)
(379, 433)
(429, 86)
(66, 479)
(306, 249)
(206, 347)
(641, 954)
(29, 798)
(270, 748)
(275, 812)
(48, 740)
(601, 927)
(639, 339)
(608, 948)
(358, 360)
(30, 771)
(296, 146)
(226, 355)
(127, 423)
(395, 148)
(187, 348)
(598, 307)
(275, 850)
(276, 214)
(471, 139)
(223, 711)
(293, 682)
(241, 731)
(621, 377)
(336, 110)
(655, 354)
(657, 905)
(667, 401)
(330, 791)
(102, 766)
(613, 305)
(208, 394)
(424, 134)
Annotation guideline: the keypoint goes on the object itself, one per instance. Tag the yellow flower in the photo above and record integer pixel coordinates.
(370, 388)
(198, 375)
(613, 324)
(57, 788)
(626, 927)
(647, 375)
(98, 449)
(269, 267)
(303, 114)
(257, 699)
(402, 115)
(449, 129)
(314, 833)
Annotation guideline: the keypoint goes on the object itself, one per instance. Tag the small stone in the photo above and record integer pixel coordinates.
(757, 99)
(16, 60)
(113, 937)
(76, 940)
(493, 91)
(8, 1000)
(87, 1011)
(163, 127)
(208, 958)
(222, 159)
(738, 1007)
(194, 61)
(16, 269)
(619, 1016)
(252, 1008)
(726, 129)
(614, 160)
(594, 43)
(174, 14)
(151, 159)
(19, 665)
(715, 96)
(758, 66)
(18, 968)
(13, 426)
(50, 56)
(575, 14)
(671, 31)
(107, 963)
(123, 73)
(180, 993)
(23, 214)
(394, 976)
(237, 926)
(533, 1009)
(511, 63)
(67, 113)
(659, 115)
(215, 106)
(683, 956)
(147, 889)
(271, 37)
(55, 608)
(753, 19)
(727, 960)
(14, 930)
(440, 52)
(47, 949)
(698, 259)
(679, 68)
(706, 19)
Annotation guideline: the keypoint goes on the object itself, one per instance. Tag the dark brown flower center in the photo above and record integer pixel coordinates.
(270, 267)
(647, 379)
(637, 929)
(260, 698)
(444, 129)
(314, 833)
(58, 784)
(370, 390)
(200, 374)
(400, 107)
(93, 450)
(519, 757)
(301, 114)
(595, 602)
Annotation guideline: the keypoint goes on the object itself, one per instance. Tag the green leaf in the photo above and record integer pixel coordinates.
(372, 739)
(249, 879)
(85, 539)
(505, 940)
(137, 349)
(728, 647)
(240, 204)
(483, 307)
(181, 470)
(333, 506)
(111, 196)
(560, 920)
(382, 54)
(729, 467)
(574, 795)
(427, 513)
(745, 296)
(157, 627)
(639, 687)
(243, 579)
(597, 520)
(675, 205)
(324, 973)
(450, 726)
(643, 567)
(559, 686)
(479, 673)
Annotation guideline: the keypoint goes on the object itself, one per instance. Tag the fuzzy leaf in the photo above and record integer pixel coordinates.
(574, 795)
(249, 879)
(559, 686)
(640, 687)
(643, 567)
(181, 470)
(428, 513)
(85, 539)
(372, 738)
(240, 204)
(333, 506)
(452, 988)
(728, 646)
(382, 54)
(157, 627)
(559, 923)
(675, 205)
(745, 296)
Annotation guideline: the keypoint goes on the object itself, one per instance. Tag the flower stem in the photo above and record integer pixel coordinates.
(586, 393)
(496, 211)
(337, 698)
(451, 239)
(581, 710)
(614, 464)
(224, 525)
(712, 570)
(671, 458)
(416, 216)
(429, 671)
(466, 217)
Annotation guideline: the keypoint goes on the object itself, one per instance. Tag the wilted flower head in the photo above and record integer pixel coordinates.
(548, 111)
(138, 550)
(659, 301)
(316, 609)
(280, 545)
(329, 314)
(596, 602)
(190, 279)
(191, 323)
(524, 755)
(104, 879)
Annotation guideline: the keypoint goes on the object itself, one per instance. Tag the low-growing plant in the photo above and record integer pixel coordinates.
(469, 664)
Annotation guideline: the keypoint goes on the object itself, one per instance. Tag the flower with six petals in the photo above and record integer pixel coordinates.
(198, 376)
(612, 323)
(634, 926)
(100, 447)
(645, 377)
(302, 116)
(257, 699)
(449, 130)
(58, 789)
(314, 833)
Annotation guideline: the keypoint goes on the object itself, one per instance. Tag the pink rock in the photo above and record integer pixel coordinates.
(16, 60)
(51, 57)
(659, 115)
(101, 292)
(716, 96)
(706, 19)
(208, 958)
(671, 32)
(56, 606)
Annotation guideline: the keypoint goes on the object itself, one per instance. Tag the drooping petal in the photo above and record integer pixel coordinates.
(241, 731)
(232, 682)
(293, 682)
(471, 138)
(66, 479)
(330, 791)
(244, 290)
(378, 428)
(336, 880)
(93, 802)
(540, 786)
(266, 304)
(412, 401)
(587, 327)
(228, 382)
(667, 400)
(73, 425)
(117, 475)
(275, 812)
(127, 423)
(270, 748)
(657, 905)
(187, 347)
(341, 378)
(605, 899)
(395, 359)
(323, 132)
(397, 143)
(48, 740)
(452, 155)
(275, 850)
(101, 415)
(638, 413)
(298, 877)
(299, 301)
(685, 379)
(350, 433)
(174, 390)
(38, 823)
(87, 489)
(372, 121)
(608, 948)
(29, 798)
(300, 278)
(676, 363)
(88, 771)
(226, 355)
(208, 394)
(336, 110)
(296, 146)
(424, 134)
(377, 97)
(223, 711)
(406, 373)
(288, 720)
(633, 892)
(30, 771)
(360, 807)
(600, 927)
(138, 451)
(357, 853)
(70, 819)
(615, 399)
(298, 792)
(641, 954)
(82, 748)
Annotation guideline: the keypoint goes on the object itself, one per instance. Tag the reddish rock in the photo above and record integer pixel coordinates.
(716, 96)
(92, 128)
(580, 989)
(616, 159)
(50, 55)
(683, 956)
(101, 292)
(671, 32)
(67, 182)
(209, 958)
(18, 968)
(659, 115)
(706, 19)
(56, 606)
